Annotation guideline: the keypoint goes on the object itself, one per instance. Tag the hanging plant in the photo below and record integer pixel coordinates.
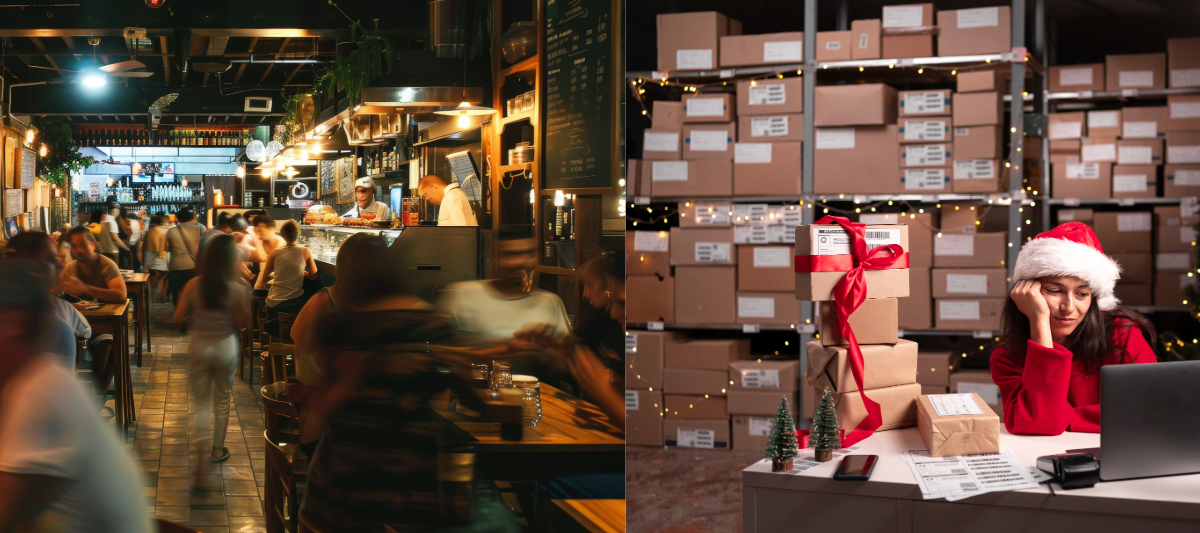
(62, 157)
(372, 57)
(293, 119)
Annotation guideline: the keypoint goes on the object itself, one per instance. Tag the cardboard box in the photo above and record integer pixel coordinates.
(1168, 289)
(985, 30)
(1144, 122)
(898, 405)
(970, 282)
(648, 253)
(651, 299)
(960, 219)
(925, 103)
(808, 397)
(1183, 147)
(1065, 146)
(977, 176)
(702, 246)
(978, 142)
(909, 16)
(1076, 215)
(644, 357)
(643, 418)
(705, 354)
(667, 115)
(925, 130)
(690, 381)
(767, 268)
(986, 250)
(1183, 62)
(859, 160)
(690, 178)
(979, 81)
(1170, 215)
(1081, 180)
(692, 407)
(779, 308)
(1067, 126)
(705, 295)
(977, 382)
(1135, 71)
(907, 45)
(833, 45)
(750, 432)
(884, 365)
(926, 180)
(868, 104)
(934, 368)
(1140, 151)
(1170, 262)
(777, 376)
(916, 311)
(759, 402)
(771, 128)
(864, 39)
(926, 155)
(818, 286)
(701, 434)
(770, 97)
(920, 238)
(934, 389)
(975, 431)
(1104, 124)
(638, 181)
(661, 145)
(1183, 112)
(704, 215)
(709, 107)
(1134, 293)
(1135, 181)
(978, 109)
(766, 169)
(689, 41)
(1137, 267)
(762, 49)
(1124, 232)
(709, 141)
(875, 322)
(1098, 150)
(968, 313)
(1175, 239)
(1181, 180)
(1075, 78)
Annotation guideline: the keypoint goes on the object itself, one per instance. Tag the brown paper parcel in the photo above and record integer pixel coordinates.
(959, 434)
(884, 365)
(898, 405)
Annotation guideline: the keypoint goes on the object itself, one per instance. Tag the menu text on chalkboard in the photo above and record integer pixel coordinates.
(28, 169)
(578, 66)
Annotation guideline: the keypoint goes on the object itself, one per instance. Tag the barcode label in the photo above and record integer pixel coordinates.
(970, 169)
(631, 400)
(931, 103)
(933, 179)
(694, 438)
(769, 127)
(968, 486)
(925, 155)
(714, 215)
(924, 130)
(835, 240)
(712, 252)
(760, 379)
(631, 342)
(768, 94)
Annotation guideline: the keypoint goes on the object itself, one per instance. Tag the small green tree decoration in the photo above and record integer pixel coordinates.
(824, 437)
(781, 442)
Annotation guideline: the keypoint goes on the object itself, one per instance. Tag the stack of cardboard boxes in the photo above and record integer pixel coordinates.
(926, 141)
(766, 159)
(978, 133)
(856, 146)
(916, 310)
(1127, 237)
(649, 283)
(890, 363)
(1175, 255)
(644, 353)
(755, 388)
(695, 385)
(969, 280)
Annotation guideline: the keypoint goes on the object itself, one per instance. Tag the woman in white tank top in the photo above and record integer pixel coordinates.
(289, 264)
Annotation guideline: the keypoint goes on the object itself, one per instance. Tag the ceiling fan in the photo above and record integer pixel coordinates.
(120, 69)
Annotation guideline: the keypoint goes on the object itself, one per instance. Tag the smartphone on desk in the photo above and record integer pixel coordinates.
(856, 468)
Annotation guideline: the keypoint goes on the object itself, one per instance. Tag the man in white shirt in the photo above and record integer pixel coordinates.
(364, 192)
(59, 466)
(455, 207)
(110, 243)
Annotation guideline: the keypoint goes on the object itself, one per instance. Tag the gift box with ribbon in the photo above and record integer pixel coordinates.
(824, 257)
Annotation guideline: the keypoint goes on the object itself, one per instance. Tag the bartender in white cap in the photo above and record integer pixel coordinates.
(364, 191)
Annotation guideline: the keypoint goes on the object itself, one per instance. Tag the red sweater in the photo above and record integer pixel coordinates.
(1052, 392)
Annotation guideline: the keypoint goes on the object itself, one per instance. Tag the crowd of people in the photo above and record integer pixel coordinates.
(362, 349)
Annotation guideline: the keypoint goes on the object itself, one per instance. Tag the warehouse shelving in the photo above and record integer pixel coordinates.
(1073, 202)
(999, 198)
(657, 326)
(1122, 95)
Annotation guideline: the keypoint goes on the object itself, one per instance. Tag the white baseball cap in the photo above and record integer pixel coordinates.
(365, 183)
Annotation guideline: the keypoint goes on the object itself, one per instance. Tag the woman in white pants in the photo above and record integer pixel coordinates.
(215, 305)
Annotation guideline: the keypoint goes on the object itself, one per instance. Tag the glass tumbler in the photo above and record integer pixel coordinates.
(501, 378)
(531, 402)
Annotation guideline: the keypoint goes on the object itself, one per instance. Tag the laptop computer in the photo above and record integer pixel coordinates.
(1149, 420)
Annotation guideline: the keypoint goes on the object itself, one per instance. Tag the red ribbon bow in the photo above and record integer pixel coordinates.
(848, 295)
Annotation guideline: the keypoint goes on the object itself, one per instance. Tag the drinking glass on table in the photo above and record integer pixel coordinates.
(501, 378)
(531, 401)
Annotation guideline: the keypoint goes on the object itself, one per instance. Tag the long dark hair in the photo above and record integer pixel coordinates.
(1098, 334)
(220, 262)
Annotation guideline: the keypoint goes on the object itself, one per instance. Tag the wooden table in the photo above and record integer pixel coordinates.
(136, 285)
(110, 319)
(593, 516)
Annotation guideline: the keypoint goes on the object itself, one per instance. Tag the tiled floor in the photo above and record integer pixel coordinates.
(684, 491)
(231, 495)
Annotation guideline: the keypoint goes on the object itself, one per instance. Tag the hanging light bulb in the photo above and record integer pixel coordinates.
(57, 192)
(136, 168)
(304, 155)
(291, 172)
(315, 149)
(29, 135)
(279, 164)
(266, 171)
(463, 120)
(43, 151)
(110, 182)
(559, 198)
(241, 171)
(183, 182)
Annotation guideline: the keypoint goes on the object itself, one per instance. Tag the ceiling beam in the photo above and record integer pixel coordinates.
(242, 67)
(37, 43)
(162, 43)
(282, 47)
(293, 74)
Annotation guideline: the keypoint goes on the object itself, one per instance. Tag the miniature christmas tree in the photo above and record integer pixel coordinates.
(781, 442)
(824, 436)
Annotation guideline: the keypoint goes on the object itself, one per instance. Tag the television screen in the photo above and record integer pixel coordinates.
(142, 178)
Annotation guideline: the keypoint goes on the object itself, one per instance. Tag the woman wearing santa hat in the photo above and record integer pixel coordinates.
(1059, 326)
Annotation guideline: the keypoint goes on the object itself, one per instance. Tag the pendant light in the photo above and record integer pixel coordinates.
(465, 109)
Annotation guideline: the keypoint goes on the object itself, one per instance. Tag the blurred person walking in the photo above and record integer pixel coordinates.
(182, 241)
(68, 323)
(156, 260)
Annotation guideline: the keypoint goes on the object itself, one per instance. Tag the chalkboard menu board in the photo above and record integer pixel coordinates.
(28, 169)
(578, 149)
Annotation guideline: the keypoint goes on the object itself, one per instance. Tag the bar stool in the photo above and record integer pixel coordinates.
(274, 363)
(284, 486)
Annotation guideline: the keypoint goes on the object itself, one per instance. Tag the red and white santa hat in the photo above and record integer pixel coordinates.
(1071, 249)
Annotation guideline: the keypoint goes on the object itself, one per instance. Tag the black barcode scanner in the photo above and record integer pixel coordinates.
(1071, 470)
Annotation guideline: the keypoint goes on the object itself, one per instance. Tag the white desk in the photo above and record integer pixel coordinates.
(891, 500)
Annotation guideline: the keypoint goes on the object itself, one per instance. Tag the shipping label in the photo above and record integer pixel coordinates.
(752, 153)
(669, 171)
(710, 141)
(1074, 76)
(988, 391)
(955, 404)
(949, 244)
(878, 218)
(924, 130)
(1187, 178)
(978, 18)
(1187, 234)
(1129, 183)
(863, 40)
(972, 169)
(760, 427)
(1129, 222)
(835, 138)
(631, 400)
(781, 234)
(953, 310)
(1183, 154)
(1135, 78)
(1139, 130)
(694, 438)
(769, 126)
(661, 142)
(967, 284)
(754, 307)
(1084, 171)
(925, 103)
(1103, 119)
(1185, 77)
(717, 215)
(705, 107)
(768, 94)
(962, 132)
(1173, 261)
(751, 234)
(631, 341)
(833, 240)
(833, 45)
(712, 252)
(760, 379)
(903, 16)
(651, 241)
(925, 179)
(694, 59)
(750, 213)
(1135, 155)
(777, 51)
(1100, 152)
(925, 155)
(772, 256)
(1066, 130)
